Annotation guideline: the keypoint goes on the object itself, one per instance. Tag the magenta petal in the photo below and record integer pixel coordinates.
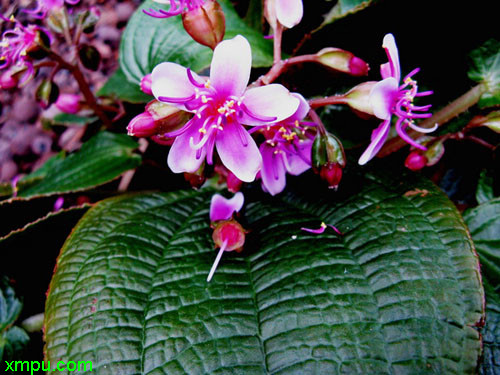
(272, 101)
(289, 12)
(273, 170)
(182, 158)
(392, 68)
(171, 80)
(379, 136)
(296, 164)
(223, 209)
(382, 97)
(238, 152)
(320, 230)
(231, 64)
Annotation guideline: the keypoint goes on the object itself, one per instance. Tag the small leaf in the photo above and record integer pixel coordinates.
(484, 192)
(345, 7)
(100, 160)
(120, 87)
(15, 340)
(10, 306)
(148, 41)
(68, 119)
(399, 293)
(485, 68)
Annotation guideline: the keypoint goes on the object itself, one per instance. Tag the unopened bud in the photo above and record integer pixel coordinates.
(7, 81)
(89, 57)
(327, 149)
(332, 174)
(415, 161)
(146, 82)
(162, 140)
(231, 232)
(142, 125)
(167, 117)
(206, 24)
(358, 98)
(68, 103)
(88, 19)
(343, 61)
(47, 93)
(493, 121)
(37, 49)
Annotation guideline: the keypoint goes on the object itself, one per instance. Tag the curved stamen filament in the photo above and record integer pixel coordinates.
(257, 117)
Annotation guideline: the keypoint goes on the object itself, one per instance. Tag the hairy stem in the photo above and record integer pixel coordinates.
(280, 67)
(330, 100)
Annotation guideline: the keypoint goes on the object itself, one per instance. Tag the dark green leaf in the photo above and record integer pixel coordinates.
(343, 8)
(100, 160)
(399, 293)
(149, 41)
(120, 87)
(485, 68)
(12, 344)
(484, 223)
(254, 17)
(68, 119)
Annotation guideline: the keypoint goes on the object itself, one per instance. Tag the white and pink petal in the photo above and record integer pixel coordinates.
(289, 12)
(382, 97)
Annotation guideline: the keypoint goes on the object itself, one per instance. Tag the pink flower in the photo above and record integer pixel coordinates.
(45, 6)
(287, 12)
(388, 98)
(287, 149)
(220, 105)
(228, 234)
(15, 46)
(176, 7)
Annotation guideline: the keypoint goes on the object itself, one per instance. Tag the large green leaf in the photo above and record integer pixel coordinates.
(484, 225)
(148, 41)
(120, 87)
(399, 293)
(102, 159)
(485, 68)
(491, 333)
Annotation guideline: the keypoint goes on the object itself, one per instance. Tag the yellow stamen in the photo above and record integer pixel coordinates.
(221, 110)
(207, 84)
(323, 225)
(204, 99)
(203, 131)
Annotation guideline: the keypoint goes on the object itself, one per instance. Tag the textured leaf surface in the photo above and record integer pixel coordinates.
(399, 293)
(148, 41)
(484, 225)
(491, 333)
(100, 160)
(485, 68)
(484, 192)
(68, 119)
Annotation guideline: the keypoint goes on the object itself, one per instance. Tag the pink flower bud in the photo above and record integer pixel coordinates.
(7, 81)
(68, 103)
(206, 24)
(343, 61)
(146, 84)
(231, 232)
(142, 125)
(332, 174)
(195, 179)
(415, 161)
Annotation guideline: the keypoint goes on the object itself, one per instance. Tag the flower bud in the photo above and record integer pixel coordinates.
(7, 80)
(68, 103)
(415, 161)
(89, 57)
(142, 125)
(206, 24)
(492, 121)
(343, 61)
(358, 98)
(47, 93)
(332, 174)
(88, 19)
(328, 159)
(36, 49)
(146, 84)
(167, 118)
(231, 232)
